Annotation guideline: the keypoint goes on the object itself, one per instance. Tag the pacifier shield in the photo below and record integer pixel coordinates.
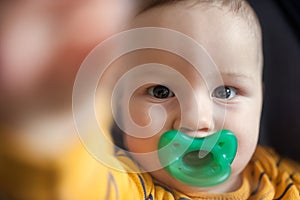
(201, 162)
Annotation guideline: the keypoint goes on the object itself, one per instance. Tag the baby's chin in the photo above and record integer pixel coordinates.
(232, 184)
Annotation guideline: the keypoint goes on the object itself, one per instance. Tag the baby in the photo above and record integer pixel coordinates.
(216, 103)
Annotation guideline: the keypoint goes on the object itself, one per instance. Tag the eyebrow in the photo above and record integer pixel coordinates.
(236, 75)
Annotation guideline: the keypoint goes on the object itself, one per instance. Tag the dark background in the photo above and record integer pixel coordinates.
(280, 126)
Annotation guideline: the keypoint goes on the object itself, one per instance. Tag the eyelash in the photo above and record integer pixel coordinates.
(151, 91)
(226, 89)
(223, 90)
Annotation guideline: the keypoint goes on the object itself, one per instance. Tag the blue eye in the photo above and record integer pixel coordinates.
(224, 92)
(160, 92)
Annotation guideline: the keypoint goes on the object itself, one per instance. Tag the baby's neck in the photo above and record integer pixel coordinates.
(231, 185)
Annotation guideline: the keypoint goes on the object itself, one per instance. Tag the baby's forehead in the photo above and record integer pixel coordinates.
(228, 38)
(182, 12)
(163, 64)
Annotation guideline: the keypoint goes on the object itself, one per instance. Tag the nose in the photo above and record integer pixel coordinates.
(196, 116)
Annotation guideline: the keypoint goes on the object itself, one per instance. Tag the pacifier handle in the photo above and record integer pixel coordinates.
(200, 162)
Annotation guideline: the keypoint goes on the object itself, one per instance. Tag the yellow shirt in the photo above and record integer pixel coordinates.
(81, 177)
(267, 176)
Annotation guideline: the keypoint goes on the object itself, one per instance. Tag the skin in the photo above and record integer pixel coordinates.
(236, 51)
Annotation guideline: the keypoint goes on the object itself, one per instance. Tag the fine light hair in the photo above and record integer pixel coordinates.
(239, 8)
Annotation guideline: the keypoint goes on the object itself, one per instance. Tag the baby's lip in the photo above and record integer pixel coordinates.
(196, 134)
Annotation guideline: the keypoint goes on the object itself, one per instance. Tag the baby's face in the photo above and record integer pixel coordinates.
(233, 104)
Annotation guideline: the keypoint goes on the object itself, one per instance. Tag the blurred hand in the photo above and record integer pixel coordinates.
(42, 44)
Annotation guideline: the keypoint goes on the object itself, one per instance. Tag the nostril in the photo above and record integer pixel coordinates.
(204, 130)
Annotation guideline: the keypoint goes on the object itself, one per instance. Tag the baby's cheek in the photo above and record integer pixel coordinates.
(245, 151)
(238, 164)
(247, 140)
(140, 145)
(144, 151)
(139, 112)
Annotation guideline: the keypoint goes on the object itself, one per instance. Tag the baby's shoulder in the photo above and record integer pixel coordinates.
(270, 160)
(274, 174)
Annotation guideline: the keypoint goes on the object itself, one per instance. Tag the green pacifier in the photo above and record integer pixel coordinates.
(200, 162)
